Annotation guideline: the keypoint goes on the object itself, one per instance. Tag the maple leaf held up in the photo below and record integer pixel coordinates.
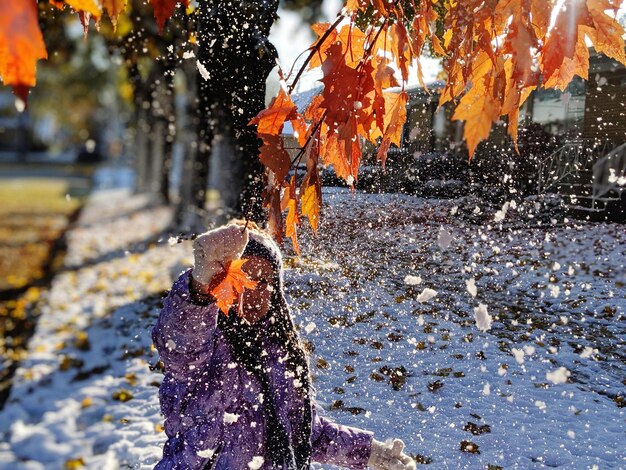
(230, 284)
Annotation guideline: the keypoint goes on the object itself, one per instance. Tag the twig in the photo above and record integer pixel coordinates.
(308, 140)
(314, 50)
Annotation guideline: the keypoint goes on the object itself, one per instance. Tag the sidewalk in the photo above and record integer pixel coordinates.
(71, 400)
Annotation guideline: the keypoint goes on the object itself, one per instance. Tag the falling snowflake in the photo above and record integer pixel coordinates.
(230, 418)
(203, 71)
(501, 214)
(483, 319)
(426, 295)
(587, 352)
(471, 287)
(206, 453)
(412, 280)
(554, 291)
(256, 463)
(558, 376)
(444, 239)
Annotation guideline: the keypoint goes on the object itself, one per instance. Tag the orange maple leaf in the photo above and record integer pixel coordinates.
(292, 221)
(86, 6)
(311, 188)
(608, 34)
(350, 37)
(401, 48)
(113, 9)
(576, 65)
(478, 107)
(230, 284)
(341, 87)
(563, 38)
(21, 45)
(395, 117)
(164, 9)
(274, 156)
(272, 119)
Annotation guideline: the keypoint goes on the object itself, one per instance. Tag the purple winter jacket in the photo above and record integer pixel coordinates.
(213, 405)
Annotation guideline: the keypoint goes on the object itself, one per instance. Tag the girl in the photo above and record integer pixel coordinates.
(236, 392)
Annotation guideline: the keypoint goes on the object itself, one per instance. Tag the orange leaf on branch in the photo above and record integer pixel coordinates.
(228, 285)
(578, 64)
(274, 156)
(113, 9)
(292, 221)
(21, 45)
(563, 39)
(478, 107)
(350, 37)
(311, 188)
(272, 119)
(496, 54)
(341, 87)
(395, 116)
(607, 35)
(164, 9)
(86, 6)
(401, 48)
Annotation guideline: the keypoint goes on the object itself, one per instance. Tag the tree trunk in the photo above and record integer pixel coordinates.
(157, 157)
(170, 130)
(238, 57)
(142, 169)
(191, 211)
(141, 130)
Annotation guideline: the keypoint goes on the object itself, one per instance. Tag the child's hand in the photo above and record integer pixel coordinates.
(213, 249)
(389, 456)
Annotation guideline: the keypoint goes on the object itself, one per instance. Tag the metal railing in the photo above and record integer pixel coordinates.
(569, 162)
(609, 173)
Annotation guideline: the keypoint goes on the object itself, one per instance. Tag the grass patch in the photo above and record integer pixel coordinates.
(34, 212)
(40, 195)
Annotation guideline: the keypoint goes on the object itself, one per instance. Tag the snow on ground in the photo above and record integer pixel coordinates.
(543, 387)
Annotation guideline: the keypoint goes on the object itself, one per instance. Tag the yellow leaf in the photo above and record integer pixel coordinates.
(447, 37)
(607, 35)
(87, 6)
(479, 110)
(122, 395)
(73, 464)
(113, 9)
(577, 65)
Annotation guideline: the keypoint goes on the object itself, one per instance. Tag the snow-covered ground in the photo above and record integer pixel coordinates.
(392, 296)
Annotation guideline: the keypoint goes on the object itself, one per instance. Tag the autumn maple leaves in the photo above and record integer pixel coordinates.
(495, 52)
(498, 52)
(21, 40)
